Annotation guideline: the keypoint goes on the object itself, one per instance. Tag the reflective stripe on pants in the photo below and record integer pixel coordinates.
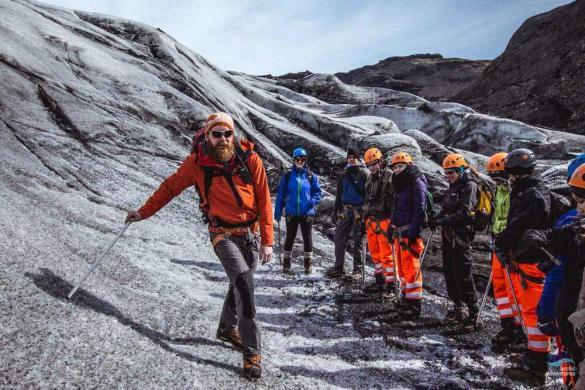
(528, 301)
(409, 267)
(380, 248)
(502, 292)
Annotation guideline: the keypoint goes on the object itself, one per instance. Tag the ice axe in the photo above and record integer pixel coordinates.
(95, 264)
(487, 288)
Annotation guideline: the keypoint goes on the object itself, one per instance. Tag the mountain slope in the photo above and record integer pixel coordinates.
(428, 75)
(540, 77)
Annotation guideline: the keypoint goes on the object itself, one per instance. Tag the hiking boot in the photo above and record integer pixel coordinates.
(504, 337)
(409, 309)
(517, 358)
(252, 366)
(532, 371)
(230, 336)
(286, 265)
(308, 265)
(334, 272)
(389, 293)
(456, 315)
(357, 274)
(526, 374)
(374, 288)
(469, 323)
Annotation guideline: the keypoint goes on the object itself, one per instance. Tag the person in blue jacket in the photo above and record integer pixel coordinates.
(558, 300)
(298, 194)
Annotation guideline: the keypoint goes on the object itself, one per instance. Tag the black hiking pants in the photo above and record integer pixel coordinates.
(292, 225)
(457, 268)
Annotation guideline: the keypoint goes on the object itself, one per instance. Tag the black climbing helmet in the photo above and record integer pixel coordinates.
(520, 162)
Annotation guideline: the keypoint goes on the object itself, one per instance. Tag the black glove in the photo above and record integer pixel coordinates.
(530, 244)
(390, 233)
(412, 241)
(504, 258)
(433, 224)
(548, 327)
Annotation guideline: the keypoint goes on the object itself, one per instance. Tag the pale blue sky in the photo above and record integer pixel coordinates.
(277, 37)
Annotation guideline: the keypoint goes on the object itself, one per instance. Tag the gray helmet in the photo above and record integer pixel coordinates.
(520, 161)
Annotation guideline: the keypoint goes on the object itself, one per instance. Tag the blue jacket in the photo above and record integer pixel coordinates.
(351, 188)
(299, 196)
(411, 200)
(553, 281)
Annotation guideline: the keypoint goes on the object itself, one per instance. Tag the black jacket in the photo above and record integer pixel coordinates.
(457, 213)
(530, 208)
(565, 240)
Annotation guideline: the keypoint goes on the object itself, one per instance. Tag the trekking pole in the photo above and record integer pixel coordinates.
(424, 254)
(487, 288)
(364, 246)
(515, 301)
(397, 289)
(95, 264)
(279, 243)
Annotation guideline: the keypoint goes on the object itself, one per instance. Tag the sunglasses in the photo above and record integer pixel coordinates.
(352, 157)
(372, 164)
(219, 134)
(299, 159)
(450, 172)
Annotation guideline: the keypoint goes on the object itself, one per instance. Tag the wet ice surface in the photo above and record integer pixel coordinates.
(148, 315)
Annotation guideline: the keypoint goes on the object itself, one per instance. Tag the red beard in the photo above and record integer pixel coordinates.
(223, 151)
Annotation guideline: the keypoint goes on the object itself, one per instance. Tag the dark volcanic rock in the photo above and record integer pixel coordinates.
(540, 77)
(428, 75)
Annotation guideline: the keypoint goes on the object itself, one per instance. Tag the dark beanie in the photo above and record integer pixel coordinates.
(352, 152)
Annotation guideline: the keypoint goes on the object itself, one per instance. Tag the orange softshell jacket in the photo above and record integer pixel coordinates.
(256, 202)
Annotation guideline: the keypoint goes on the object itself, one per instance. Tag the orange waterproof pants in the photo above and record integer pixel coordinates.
(528, 297)
(409, 268)
(502, 291)
(380, 248)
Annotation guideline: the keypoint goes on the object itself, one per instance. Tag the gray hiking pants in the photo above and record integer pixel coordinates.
(346, 226)
(238, 258)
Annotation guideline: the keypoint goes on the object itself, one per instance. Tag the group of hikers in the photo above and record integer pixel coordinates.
(538, 249)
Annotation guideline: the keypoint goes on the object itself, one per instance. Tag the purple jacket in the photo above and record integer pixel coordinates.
(411, 199)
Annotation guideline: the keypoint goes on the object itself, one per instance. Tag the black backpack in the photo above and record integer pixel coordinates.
(559, 205)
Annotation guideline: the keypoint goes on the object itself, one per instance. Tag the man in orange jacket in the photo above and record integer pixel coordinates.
(234, 197)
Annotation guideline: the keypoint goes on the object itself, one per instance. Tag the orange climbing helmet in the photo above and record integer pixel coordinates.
(454, 160)
(372, 154)
(401, 158)
(577, 182)
(495, 164)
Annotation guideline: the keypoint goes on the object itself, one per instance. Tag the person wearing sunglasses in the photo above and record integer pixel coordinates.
(378, 204)
(235, 199)
(456, 219)
(347, 215)
(298, 194)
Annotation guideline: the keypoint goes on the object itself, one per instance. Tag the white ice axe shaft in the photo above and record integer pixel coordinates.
(487, 288)
(97, 262)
